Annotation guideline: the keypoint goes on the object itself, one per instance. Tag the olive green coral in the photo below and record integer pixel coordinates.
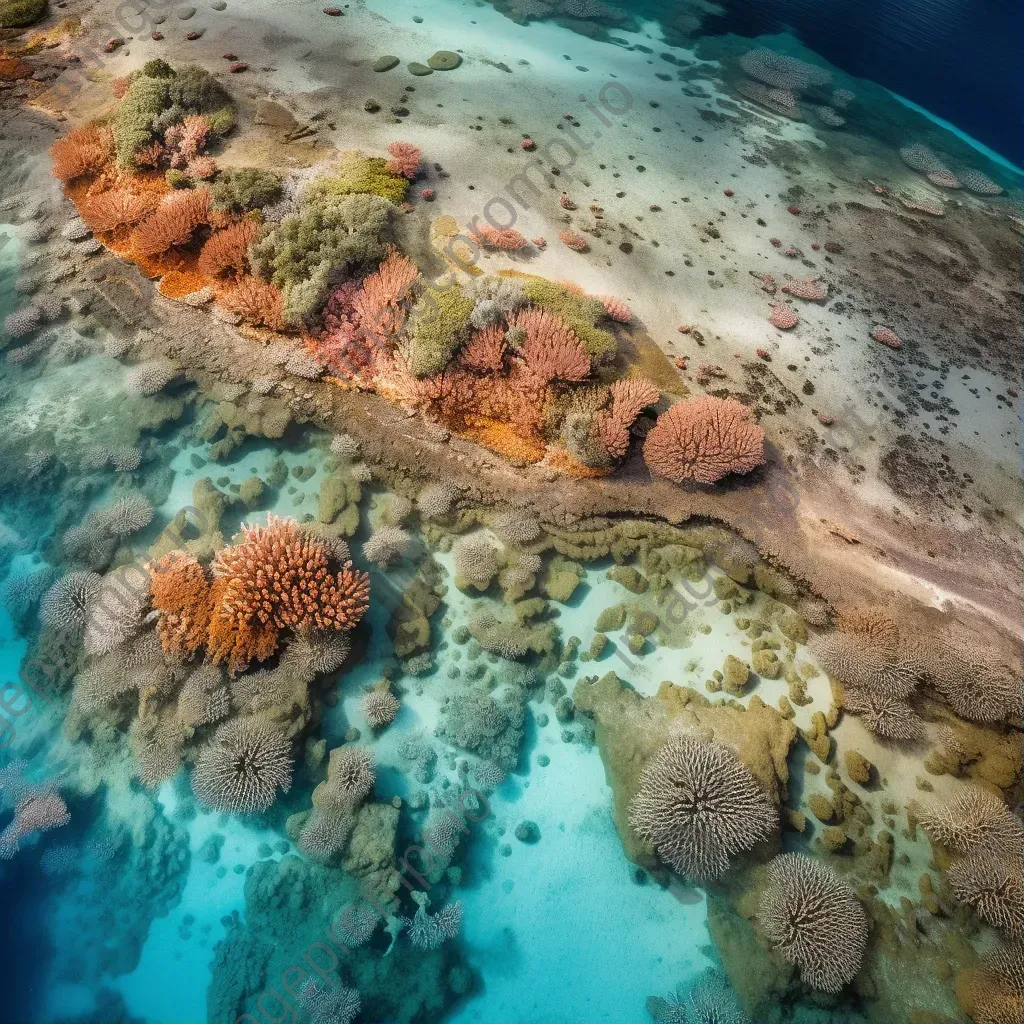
(440, 322)
(21, 13)
(354, 174)
(244, 189)
(309, 252)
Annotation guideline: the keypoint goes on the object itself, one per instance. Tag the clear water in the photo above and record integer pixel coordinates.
(147, 906)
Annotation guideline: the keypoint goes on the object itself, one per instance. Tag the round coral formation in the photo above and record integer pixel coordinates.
(698, 806)
(380, 708)
(243, 767)
(704, 439)
(815, 920)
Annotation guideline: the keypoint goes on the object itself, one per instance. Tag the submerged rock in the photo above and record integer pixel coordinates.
(386, 63)
(444, 60)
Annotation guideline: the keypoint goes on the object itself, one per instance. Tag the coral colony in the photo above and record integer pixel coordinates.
(463, 515)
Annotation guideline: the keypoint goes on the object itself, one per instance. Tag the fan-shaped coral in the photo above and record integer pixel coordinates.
(971, 819)
(551, 349)
(699, 806)
(256, 302)
(815, 920)
(991, 883)
(82, 151)
(173, 222)
(704, 439)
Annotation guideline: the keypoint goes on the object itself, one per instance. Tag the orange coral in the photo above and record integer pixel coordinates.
(551, 349)
(629, 399)
(173, 223)
(573, 240)
(703, 439)
(185, 141)
(116, 208)
(228, 249)
(82, 151)
(256, 302)
(501, 438)
(182, 595)
(278, 578)
(485, 351)
(506, 239)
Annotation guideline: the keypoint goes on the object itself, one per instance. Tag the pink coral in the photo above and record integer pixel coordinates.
(551, 349)
(782, 316)
(887, 336)
(573, 240)
(617, 309)
(810, 288)
(704, 439)
(185, 141)
(629, 399)
(485, 351)
(505, 239)
(405, 159)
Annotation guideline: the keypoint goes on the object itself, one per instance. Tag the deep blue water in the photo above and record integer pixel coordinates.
(960, 59)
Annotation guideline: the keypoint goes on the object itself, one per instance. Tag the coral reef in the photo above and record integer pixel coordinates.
(698, 807)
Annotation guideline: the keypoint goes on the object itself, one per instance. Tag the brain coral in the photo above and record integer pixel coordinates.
(704, 439)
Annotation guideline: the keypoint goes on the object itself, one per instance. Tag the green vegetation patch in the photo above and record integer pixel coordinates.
(21, 13)
(357, 174)
(245, 189)
(440, 323)
(309, 252)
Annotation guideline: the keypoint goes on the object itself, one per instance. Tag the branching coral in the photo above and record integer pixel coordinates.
(704, 439)
(118, 207)
(36, 812)
(386, 545)
(405, 159)
(431, 931)
(80, 152)
(227, 250)
(65, 605)
(182, 595)
(360, 319)
(278, 578)
(173, 222)
(380, 707)
(991, 883)
(974, 819)
(815, 920)
(243, 767)
(351, 773)
(485, 350)
(551, 349)
(256, 302)
(629, 399)
(699, 806)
